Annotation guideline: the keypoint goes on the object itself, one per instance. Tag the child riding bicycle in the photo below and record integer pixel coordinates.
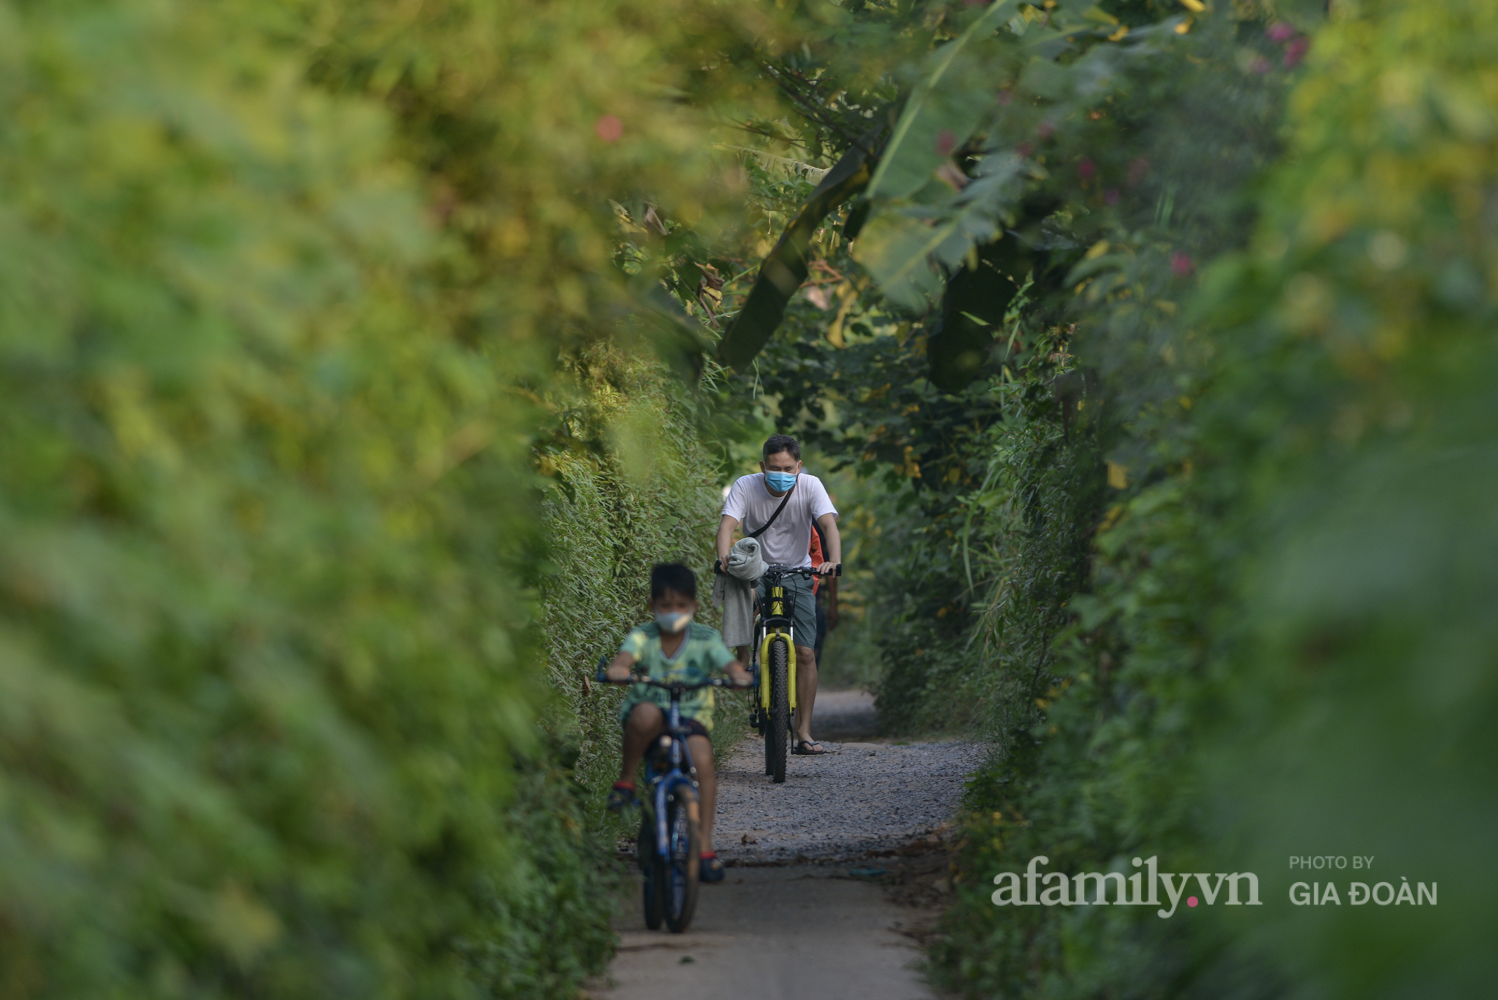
(673, 647)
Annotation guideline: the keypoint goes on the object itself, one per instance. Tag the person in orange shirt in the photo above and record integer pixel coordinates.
(824, 589)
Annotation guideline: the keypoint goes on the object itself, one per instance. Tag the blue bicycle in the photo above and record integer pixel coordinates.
(669, 845)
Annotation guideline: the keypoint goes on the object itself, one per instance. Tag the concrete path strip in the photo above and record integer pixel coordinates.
(774, 933)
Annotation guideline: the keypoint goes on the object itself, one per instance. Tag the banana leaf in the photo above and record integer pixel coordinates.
(942, 112)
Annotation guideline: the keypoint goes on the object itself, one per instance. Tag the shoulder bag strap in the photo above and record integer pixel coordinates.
(765, 527)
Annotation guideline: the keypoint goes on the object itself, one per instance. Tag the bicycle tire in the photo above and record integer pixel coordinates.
(680, 871)
(761, 716)
(765, 676)
(757, 714)
(777, 733)
(655, 910)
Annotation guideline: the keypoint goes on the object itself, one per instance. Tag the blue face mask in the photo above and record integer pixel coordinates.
(672, 622)
(780, 481)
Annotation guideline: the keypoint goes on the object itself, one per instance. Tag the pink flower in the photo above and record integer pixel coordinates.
(945, 141)
(1296, 51)
(609, 128)
(1180, 264)
(1111, 196)
(1279, 32)
(1260, 65)
(1086, 169)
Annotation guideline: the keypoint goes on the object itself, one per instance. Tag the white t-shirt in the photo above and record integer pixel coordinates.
(788, 542)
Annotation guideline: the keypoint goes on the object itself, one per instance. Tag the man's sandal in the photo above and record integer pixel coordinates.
(804, 748)
(709, 867)
(621, 796)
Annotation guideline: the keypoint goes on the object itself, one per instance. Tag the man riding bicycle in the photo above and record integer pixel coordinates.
(780, 503)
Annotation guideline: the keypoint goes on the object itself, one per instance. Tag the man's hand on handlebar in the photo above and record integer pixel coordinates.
(830, 569)
(739, 675)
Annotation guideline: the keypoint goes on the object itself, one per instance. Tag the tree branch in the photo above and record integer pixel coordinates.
(810, 109)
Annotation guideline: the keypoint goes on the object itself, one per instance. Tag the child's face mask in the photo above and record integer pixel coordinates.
(673, 622)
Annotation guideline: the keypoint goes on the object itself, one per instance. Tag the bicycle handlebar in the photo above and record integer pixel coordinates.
(721, 682)
(775, 569)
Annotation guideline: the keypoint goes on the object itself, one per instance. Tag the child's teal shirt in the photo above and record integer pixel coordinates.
(700, 656)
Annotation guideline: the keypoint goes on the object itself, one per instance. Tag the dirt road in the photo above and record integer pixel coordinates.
(821, 871)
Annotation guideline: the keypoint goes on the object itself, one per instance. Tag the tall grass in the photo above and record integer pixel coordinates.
(632, 484)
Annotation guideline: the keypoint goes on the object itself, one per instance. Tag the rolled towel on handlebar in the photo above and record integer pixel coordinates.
(746, 561)
(733, 590)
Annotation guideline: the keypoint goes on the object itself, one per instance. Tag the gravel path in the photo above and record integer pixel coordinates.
(867, 797)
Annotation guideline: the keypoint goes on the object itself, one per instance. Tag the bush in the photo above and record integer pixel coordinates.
(263, 685)
(287, 283)
(633, 486)
(1276, 649)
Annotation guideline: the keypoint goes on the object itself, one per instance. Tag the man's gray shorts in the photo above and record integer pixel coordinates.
(800, 605)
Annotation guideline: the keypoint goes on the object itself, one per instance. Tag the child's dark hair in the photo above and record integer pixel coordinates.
(672, 576)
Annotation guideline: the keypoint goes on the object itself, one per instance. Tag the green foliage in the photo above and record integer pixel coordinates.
(1274, 637)
(1021, 531)
(262, 685)
(956, 191)
(786, 266)
(1254, 644)
(634, 486)
(546, 925)
(1366, 646)
(942, 111)
(285, 280)
(293, 630)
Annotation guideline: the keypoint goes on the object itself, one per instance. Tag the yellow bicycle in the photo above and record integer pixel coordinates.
(774, 667)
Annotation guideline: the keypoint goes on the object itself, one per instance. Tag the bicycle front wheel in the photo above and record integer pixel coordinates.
(650, 865)
(678, 886)
(777, 731)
